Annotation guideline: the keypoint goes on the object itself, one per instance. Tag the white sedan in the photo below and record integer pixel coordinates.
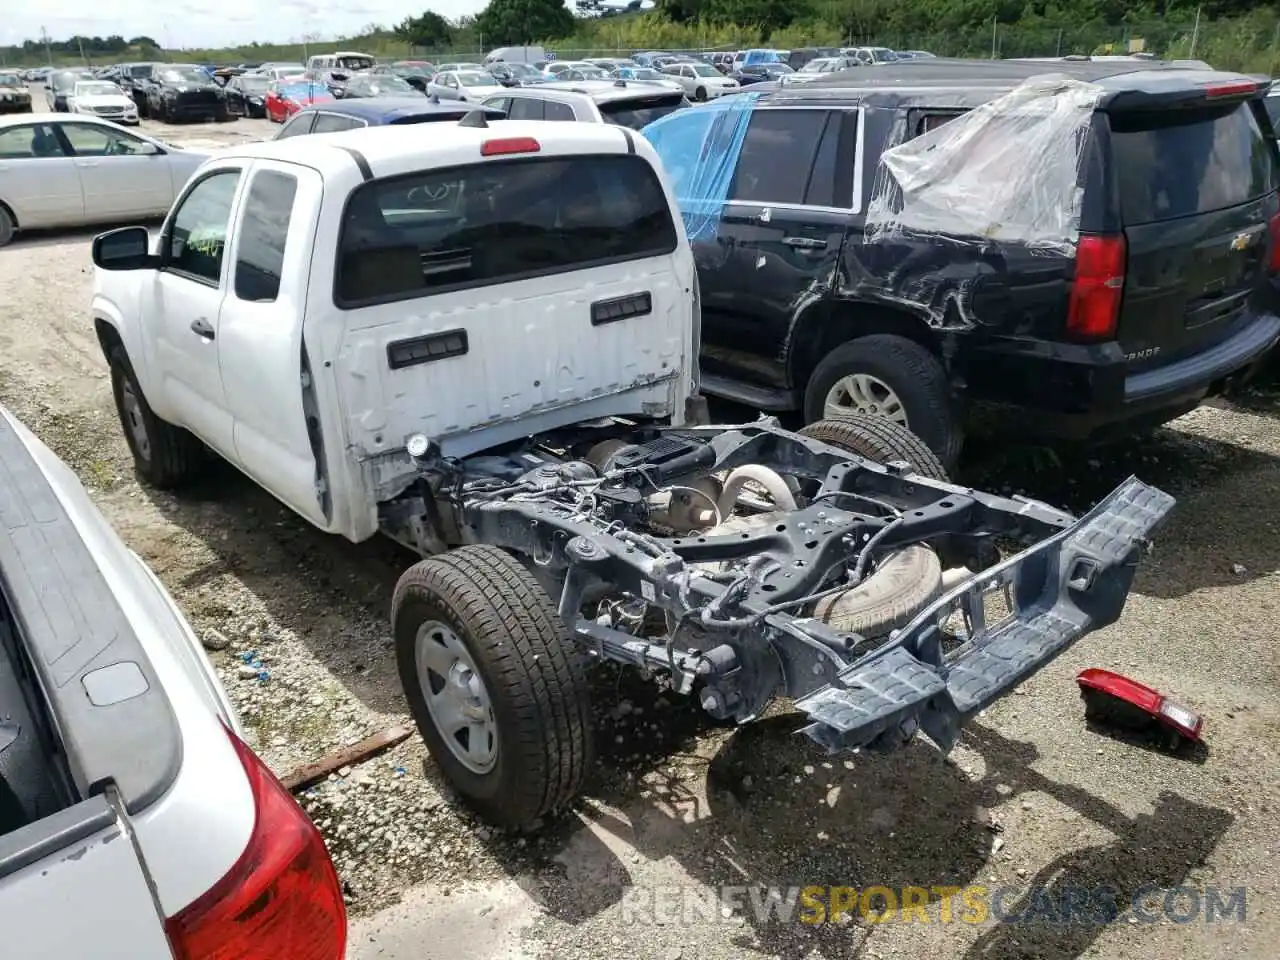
(102, 98)
(470, 86)
(60, 170)
(701, 81)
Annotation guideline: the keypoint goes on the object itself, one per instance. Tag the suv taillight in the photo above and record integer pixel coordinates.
(1273, 261)
(281, 899)
(1094, 309)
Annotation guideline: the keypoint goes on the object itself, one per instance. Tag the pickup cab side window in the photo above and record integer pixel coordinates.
(197, 235)
(263, 231)
(777, 156)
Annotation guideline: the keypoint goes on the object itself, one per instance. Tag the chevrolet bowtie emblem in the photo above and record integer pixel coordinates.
(1240, 241)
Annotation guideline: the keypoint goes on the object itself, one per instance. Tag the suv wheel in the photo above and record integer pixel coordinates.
(496, 685)
(890, 377)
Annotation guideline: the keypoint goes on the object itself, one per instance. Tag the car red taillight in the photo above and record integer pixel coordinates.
(1273, 261)
(281, 900)
(1094, 308)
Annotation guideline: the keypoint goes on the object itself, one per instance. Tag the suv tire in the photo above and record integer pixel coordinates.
(165, 456)
(900, 370)
(879, 440)
(490, 621)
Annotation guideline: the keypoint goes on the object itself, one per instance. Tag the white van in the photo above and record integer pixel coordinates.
(342, 61)
(516, 55)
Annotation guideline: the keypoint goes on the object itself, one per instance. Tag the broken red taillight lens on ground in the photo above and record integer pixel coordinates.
(1114, 700)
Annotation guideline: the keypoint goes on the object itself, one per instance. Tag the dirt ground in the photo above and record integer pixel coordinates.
(1030, 799)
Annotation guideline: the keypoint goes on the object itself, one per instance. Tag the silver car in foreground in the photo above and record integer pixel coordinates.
(70, 170)
(134, 820)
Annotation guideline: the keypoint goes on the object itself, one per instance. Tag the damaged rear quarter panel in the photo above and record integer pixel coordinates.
(982, 240)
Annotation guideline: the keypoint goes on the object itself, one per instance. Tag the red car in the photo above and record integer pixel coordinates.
(286, 97)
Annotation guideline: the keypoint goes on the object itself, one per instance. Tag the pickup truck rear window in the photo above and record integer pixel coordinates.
(439, 230)
(1180, 163)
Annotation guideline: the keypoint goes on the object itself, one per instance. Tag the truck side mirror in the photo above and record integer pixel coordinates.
(128, 248)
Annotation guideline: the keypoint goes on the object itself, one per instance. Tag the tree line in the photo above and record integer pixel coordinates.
(1230, 34)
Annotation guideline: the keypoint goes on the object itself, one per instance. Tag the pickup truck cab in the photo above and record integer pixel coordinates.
(311, 303)
(481, 339)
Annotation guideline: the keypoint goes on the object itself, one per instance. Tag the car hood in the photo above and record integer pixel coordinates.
(104, 100)
(189, 87)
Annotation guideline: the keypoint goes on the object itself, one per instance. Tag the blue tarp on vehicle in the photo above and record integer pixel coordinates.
(699, 149)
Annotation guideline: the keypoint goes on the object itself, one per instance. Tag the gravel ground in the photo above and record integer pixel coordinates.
(1030, 797)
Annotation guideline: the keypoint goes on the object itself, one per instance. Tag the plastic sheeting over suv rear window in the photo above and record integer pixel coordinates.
(440, 230)
(1180, 163)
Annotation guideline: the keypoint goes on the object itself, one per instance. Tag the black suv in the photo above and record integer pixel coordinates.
(1161, 301)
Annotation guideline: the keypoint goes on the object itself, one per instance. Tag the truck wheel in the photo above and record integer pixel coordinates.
(7, 227)
(165, 456)
(879, 440)
(891, 377)
(495, 683)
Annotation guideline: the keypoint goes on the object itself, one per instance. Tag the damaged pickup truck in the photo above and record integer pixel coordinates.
(481, 341)
(1077, 254)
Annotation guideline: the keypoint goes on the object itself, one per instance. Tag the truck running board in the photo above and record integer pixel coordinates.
(1059, 590)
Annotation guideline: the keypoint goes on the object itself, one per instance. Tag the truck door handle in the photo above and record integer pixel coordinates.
(201, 328)
(805, 243)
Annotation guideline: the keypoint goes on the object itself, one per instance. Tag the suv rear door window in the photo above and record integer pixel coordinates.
(778, 155)
(1180, 163)
(438, 230)
(641, 111)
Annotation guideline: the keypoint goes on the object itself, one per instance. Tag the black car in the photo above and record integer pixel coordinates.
(760, 73)
(1081, 285)
(133, 79)
(799, 57)
(246, 95)
(184, 91)
(60, 85)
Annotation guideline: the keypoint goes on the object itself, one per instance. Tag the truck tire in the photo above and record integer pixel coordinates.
(481, 651)
(165, 456)
(877, 439)
(891, 377)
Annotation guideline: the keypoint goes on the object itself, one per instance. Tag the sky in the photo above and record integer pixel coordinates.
(212, 23)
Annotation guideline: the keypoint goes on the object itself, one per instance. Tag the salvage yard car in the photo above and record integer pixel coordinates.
(480, 339)
(1118, 277)
(101, 98)
(60, 171)
(15, 95)
(134, 820)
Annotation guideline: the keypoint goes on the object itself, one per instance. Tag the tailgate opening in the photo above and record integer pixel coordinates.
(1195, 187)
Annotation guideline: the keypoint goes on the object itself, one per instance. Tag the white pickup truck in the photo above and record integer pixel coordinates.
(481, 339)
